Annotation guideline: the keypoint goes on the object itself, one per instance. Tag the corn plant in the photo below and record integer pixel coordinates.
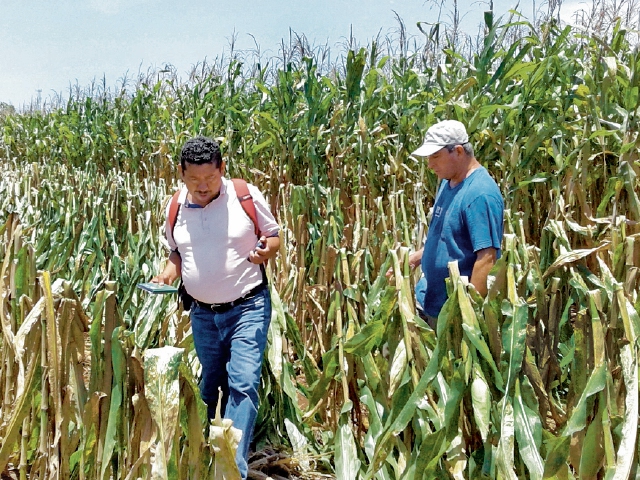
(538, 379)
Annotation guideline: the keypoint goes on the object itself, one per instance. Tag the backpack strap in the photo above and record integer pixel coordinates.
(246, 200)
(173, 212)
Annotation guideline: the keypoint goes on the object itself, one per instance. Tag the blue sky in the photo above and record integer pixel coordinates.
(48, 45)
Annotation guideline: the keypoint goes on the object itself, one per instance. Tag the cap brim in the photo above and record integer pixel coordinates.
(427, 149)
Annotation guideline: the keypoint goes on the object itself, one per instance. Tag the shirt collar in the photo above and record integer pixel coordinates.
(183, 200)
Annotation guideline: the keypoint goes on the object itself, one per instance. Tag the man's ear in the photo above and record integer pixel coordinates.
(180, 171)
(223, 165)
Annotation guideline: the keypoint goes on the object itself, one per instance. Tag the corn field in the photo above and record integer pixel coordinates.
(98, 380)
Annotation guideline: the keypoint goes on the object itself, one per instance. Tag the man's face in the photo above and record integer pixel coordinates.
(443, 163)
(203, 181)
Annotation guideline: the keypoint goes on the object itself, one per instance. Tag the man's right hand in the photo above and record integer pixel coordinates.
(171, 271)
(162, 279)
(414, 260)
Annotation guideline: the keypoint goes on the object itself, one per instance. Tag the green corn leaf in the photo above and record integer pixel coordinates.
(398, 367)
(114, 420)
(295, 337)
(573, 256)
(148, 321)
(375, 426)
(506, 445)
(596, 383)
(630, 317)
(366, 339)
(593, 445)
(514, 339)
(629, 430)
(95, 334)
(319, 388)
(162, 390)
(452, 410)
(432, 448)
(20, 275)
(481, 402)
(277, 330)
(347, 462)
(397, 422)
(528, 432)
(557, 454)
(472, 330)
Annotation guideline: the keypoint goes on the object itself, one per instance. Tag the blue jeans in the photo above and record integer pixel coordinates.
(421, 290)
(230, 346)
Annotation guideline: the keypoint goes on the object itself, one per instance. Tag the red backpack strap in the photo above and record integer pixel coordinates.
(173, 212)
(246, 200)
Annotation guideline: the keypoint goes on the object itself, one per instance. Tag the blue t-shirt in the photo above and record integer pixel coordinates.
(466, 218)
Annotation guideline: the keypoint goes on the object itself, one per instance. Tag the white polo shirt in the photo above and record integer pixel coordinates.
(214, 243)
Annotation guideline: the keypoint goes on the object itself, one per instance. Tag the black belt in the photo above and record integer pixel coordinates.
(223, 307)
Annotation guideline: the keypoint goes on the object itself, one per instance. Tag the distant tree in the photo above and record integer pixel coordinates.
(6, 109)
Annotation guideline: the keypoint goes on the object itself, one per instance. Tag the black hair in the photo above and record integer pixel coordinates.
(200, 150)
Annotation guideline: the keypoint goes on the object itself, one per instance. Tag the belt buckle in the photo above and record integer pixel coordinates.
(215, 306)
(222, 307)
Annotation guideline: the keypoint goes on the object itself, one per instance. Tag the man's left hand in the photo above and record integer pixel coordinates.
(262, 252)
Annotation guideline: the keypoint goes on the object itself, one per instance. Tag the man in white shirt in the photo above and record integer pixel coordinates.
(220, 259)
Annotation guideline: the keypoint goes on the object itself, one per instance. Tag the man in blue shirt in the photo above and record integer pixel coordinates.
(467, 219)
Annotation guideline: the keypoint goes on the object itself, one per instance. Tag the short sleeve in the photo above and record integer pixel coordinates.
(484, 217)
(266, 221)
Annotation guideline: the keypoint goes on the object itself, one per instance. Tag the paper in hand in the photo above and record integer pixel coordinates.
(157, 288)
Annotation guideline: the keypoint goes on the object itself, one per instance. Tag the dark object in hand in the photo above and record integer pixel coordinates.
(185, 298)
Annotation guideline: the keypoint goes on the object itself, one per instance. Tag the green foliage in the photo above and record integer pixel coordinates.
(537, 380)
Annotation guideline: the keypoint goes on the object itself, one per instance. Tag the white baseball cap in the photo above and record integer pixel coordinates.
(447, 132)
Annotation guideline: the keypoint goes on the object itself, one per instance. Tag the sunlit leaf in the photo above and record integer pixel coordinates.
(162, 390)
